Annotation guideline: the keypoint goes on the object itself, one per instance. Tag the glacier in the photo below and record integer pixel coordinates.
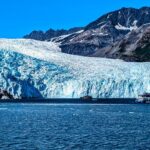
(30, 68)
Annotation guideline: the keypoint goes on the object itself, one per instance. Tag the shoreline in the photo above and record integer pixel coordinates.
(73, 101)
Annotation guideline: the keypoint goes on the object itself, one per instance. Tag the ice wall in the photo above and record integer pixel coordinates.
(31, 69)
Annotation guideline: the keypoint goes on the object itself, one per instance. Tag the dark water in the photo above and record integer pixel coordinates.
(90, 127)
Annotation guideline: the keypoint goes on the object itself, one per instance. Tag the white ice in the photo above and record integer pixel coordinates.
(32, 68)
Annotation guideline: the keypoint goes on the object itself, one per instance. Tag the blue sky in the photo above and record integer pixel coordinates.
(19, 17)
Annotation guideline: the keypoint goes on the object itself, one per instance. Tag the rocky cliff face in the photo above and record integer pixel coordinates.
(98, 38)
(135, 46)
(5, 95)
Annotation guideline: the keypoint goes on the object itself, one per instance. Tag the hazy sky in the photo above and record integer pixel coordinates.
(19, 17)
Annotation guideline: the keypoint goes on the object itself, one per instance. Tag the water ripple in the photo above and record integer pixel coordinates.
(74, 127)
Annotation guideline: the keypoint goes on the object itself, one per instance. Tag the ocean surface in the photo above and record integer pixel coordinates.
(69, 127)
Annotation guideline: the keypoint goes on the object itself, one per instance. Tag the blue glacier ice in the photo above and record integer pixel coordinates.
(30, 68)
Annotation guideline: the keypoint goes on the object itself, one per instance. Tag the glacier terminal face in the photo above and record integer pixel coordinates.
(32, 68)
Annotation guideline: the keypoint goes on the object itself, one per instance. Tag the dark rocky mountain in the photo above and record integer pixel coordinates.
(5, 95)
(42, 36)
(102, 37)
(106, 30)
(134, 47)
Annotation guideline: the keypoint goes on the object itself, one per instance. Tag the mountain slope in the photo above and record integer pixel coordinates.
(134, 47)
(106, 30)
(31, 70)
(99, 36)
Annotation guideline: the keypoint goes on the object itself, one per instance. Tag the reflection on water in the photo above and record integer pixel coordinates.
(30, 126)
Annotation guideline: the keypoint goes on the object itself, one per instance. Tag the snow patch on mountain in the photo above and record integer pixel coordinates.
(120, 27)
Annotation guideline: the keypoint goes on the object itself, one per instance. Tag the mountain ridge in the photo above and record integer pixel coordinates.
(51, 33)
(101, 35)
